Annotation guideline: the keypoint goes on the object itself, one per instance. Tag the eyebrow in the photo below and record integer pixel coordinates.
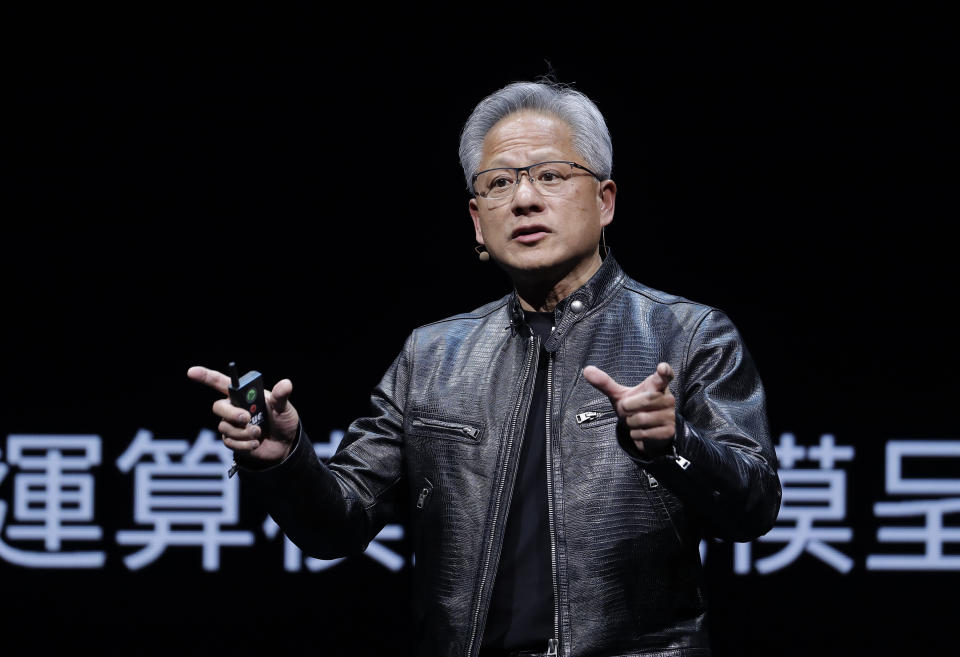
(495, 163)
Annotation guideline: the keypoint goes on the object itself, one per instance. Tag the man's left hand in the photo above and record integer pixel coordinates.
(647, 409)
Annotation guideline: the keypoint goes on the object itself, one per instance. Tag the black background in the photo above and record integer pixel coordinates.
(193, 186)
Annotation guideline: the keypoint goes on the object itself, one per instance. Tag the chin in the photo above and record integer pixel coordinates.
(536, 264)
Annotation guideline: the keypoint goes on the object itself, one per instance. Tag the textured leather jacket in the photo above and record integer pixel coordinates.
(444, 436)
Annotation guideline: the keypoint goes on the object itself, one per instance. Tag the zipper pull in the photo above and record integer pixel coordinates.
(653, 482)
(587, 417)
(423, 497)
(682, 462)
(552, 647)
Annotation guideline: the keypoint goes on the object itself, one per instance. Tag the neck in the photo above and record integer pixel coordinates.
(542, 294)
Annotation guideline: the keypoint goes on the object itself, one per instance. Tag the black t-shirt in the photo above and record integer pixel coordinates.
(521, 607)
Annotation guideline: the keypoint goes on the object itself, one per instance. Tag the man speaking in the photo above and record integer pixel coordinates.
(561, 450)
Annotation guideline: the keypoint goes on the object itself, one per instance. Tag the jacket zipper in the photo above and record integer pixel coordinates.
(553, 643)
(593, 416)
(496, 509)
(467, 430)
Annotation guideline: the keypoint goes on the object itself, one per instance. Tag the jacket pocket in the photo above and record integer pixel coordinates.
(446, 429)
(598, 413)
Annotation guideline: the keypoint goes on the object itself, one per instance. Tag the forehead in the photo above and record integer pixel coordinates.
(525, 138)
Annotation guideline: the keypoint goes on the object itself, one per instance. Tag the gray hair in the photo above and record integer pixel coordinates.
(591, 139)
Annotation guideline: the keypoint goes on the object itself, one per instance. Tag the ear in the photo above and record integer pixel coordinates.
(607, 200)
(475, 215)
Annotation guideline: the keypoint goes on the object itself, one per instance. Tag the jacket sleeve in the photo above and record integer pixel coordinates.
(335, 509)
(724, 467)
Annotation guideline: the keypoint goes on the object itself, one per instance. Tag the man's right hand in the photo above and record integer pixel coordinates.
(246, 440)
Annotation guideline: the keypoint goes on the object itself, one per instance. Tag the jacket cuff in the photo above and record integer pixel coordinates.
(635, 455)
(711, 469)
(298, 458)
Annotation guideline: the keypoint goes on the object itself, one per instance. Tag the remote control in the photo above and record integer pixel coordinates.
(246, 392)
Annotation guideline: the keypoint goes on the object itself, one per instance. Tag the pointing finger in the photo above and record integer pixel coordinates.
(209, 377)
(604, 382)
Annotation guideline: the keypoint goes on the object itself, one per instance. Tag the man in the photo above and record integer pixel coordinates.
(561, 450)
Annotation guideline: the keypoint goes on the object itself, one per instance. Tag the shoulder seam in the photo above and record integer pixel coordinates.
(473, 314)
(637, 288)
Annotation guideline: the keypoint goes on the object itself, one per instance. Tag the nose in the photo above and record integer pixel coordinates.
(527, 198)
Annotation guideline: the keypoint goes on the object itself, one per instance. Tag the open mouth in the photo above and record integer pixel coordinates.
(529, 234)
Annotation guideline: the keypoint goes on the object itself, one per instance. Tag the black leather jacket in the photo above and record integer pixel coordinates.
(444, 437)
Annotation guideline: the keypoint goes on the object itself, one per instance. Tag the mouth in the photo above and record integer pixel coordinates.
(530, 233)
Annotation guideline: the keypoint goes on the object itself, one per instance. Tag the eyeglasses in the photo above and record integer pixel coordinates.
(550, 178)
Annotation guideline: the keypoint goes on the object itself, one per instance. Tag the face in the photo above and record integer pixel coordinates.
(533, 235)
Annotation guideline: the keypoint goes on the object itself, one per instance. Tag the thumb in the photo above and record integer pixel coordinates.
(603, 382)
(662, 377)
(280, 394)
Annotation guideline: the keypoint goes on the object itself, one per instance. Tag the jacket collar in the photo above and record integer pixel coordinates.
(574, 307)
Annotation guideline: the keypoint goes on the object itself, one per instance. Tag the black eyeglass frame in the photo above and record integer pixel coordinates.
(517, 170)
